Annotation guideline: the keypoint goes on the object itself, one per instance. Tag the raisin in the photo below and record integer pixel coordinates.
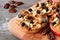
(12, 6)
(12, 10)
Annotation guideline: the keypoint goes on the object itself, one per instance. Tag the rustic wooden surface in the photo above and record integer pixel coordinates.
(5, 17)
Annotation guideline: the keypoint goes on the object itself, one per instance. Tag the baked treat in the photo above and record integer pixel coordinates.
(32, 22)
(48, 8)
(55, 24)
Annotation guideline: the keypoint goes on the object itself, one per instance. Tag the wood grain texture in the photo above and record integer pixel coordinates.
(5, 17)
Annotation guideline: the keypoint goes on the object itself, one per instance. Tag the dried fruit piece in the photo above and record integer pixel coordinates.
(12, 10)
(19, 3)
(12, 6)
(6, 6)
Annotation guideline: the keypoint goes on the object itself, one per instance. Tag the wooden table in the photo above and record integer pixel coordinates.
(5, 17)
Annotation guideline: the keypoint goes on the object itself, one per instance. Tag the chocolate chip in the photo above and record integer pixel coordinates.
(57, 10)
(31, 22)
(19, 16)
(12, 2)
(12, 6)
(43, 7)
(54, 23)
(38, 11)
(22, 24)
(46, 8)
(6, 6)
(30, 10)
(42, 4)
(19, 3)
(43, 20)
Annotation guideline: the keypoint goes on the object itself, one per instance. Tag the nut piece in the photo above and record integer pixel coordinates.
(6, 6)
(23, 12)
(12, 6)
(12, 10)
(12, 2)
(19, 3)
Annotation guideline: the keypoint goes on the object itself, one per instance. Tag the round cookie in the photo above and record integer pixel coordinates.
(55, 24)
(32, 22)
